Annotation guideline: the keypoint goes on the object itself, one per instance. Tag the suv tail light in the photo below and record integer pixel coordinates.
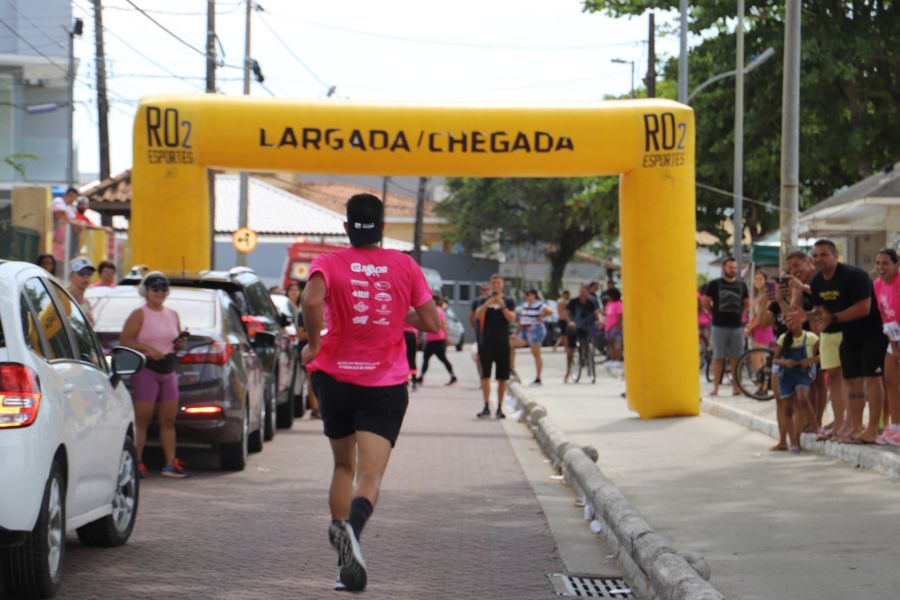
(20, 396)
(253, 325)
(217, 353)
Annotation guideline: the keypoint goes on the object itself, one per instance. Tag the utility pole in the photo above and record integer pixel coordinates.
(738, 188)
(651, 59)
(790, 131)
(683, 55)
(420, 217)
(384, 185)
(245, 182)
(210, 46)
(102, 103)
(76, 31)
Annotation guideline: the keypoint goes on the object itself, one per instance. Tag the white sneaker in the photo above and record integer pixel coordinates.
(352, 572)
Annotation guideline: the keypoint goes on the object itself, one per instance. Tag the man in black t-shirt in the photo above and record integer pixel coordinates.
(727, 298)
(584, 314)
(494, 313)
(844, 299)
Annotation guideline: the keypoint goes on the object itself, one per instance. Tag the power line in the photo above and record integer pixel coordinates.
(166, 29)
(291, 52)
(483, 46)
(155, 11)
(141, 54)
(710, 188)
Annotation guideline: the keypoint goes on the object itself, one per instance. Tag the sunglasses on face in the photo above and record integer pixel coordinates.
(159, 287)
(85, 272)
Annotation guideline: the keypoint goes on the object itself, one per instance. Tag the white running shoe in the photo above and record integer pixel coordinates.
(352, 572)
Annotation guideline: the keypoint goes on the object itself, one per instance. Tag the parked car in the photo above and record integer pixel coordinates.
(257, 312)
(67, 455)
(456, 332)
(220, 379)
(289, 315)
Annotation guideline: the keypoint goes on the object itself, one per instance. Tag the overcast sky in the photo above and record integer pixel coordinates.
(470, 51)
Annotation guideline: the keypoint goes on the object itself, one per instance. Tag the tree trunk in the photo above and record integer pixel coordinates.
(558, 261)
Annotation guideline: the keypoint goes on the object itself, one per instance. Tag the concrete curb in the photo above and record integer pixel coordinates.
(655, 569)
(885, 461)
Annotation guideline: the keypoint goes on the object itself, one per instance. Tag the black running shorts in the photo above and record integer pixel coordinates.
(494, 352)
(348, 408)
(863, 357)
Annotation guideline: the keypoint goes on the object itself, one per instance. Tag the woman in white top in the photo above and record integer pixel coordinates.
(531, 332)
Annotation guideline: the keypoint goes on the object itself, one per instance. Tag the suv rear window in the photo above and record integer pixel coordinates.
(111, 313)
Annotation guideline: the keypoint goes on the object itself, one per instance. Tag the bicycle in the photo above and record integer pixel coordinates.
(756, 382)
(586, 357)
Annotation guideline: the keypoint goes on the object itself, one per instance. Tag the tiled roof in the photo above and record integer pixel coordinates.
(112, 190)
(272, 210)
(334, 197)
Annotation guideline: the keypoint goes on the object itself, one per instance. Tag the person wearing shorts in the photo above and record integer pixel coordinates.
(494, 313)
(844, 296)
(359, 368)
(612, 326)
(155, 330)
(532, 332)
(584, 313)
(795, 356)
(727, 298)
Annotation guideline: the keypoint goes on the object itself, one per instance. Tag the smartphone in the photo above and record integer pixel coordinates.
(183, 335)
(770, 287)
(783, 281)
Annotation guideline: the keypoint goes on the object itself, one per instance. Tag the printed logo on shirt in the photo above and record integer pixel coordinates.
(359, 282)
(381, 321)
(360, 306)
(384, 307)
(382, 297)
(360, 294)
(360, 320)
(383, 310)
(382, 286)
(368, 270)
(828, 295)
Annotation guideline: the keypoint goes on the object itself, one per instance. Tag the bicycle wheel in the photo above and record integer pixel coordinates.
(582, 345)
(756, 382)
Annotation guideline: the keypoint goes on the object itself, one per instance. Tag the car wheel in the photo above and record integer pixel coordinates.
(255, 442)
(115, 529)
(271, 414)
(233, 456)
(33, 569)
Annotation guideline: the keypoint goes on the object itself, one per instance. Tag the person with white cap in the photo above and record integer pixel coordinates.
(155, 330)
(359, 368)
(80, 273)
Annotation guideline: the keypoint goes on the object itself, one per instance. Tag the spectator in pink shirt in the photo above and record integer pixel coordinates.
(887, 292)
(612, 325)
(359, 368)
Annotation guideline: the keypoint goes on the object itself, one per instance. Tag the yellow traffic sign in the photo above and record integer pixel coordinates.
(244, 240)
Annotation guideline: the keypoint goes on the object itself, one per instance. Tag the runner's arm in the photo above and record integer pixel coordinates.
(313, 300)
(425, 318)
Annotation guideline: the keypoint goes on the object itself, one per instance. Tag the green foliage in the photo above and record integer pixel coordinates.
(14, 161)
(849, 98)
(562, 214)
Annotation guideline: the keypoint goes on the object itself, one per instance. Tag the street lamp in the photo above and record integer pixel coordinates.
(622, 61)
(769, 53)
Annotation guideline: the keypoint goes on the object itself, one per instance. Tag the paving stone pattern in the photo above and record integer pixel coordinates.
(456, 519)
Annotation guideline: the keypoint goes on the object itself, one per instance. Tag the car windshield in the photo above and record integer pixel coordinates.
(110, 314)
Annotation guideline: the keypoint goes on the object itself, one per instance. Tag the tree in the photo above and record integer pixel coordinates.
(561, 214)
(849, 99)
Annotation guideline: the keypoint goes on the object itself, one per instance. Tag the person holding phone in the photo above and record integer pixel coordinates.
(494, 312)
(155, 330)
(759, 328)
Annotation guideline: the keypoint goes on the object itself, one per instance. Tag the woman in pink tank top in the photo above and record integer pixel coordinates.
(155, 330)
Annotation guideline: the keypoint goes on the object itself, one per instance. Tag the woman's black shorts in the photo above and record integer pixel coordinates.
(348, 408)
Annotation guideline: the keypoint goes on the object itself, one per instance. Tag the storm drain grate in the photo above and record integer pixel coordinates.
(590, 586)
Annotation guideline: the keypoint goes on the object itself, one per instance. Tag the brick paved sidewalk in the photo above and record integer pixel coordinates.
(456, 519)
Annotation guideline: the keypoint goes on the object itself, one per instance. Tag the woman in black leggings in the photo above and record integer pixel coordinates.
(436, 345)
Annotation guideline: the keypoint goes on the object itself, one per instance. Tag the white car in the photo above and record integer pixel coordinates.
(67, 457)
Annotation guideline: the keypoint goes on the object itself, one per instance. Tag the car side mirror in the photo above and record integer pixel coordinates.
(284, 320)
(264, 339)
(125, 361)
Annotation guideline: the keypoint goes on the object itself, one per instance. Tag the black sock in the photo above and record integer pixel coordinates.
(360, 511)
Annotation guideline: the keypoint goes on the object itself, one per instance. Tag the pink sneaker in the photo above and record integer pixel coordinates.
(882, 440)
(892, 437)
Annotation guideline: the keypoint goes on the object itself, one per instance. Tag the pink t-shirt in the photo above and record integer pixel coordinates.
(441, 334)
(370, 292)
(613, 313)
(703, 318)
(888, 295)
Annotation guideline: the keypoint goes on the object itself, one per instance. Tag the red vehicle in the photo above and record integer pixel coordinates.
(300, 257)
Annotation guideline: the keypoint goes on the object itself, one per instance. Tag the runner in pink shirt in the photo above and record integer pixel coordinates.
(359, 368)
(411, 337)
(436, 345)
(887, 292)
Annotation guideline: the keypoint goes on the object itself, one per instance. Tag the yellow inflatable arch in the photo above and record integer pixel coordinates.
(649, 143)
